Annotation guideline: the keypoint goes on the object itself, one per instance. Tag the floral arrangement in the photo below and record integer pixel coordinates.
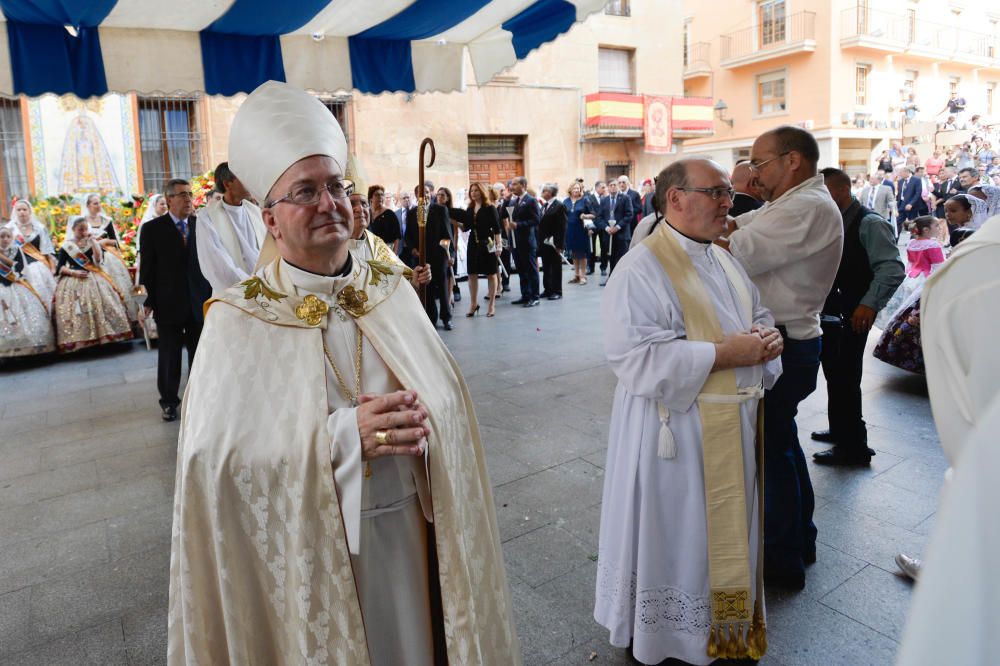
(55, 212)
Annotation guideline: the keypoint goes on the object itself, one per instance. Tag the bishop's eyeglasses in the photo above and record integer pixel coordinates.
(308, 194)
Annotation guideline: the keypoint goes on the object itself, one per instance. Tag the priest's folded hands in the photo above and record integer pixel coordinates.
(740, 350)
(392, 424)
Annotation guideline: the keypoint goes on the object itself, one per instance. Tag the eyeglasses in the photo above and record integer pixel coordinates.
(755, 166)
(307, 194)
(182, 195)
(715, 192)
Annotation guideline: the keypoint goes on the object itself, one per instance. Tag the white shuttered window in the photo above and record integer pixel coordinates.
(615, 70)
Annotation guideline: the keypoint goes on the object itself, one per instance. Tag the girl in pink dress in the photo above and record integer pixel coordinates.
(923, 253)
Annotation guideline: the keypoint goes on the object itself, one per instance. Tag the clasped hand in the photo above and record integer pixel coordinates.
(400, 415)
(740, 350)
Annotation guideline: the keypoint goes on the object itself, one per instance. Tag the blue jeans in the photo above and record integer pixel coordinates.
(789, 532)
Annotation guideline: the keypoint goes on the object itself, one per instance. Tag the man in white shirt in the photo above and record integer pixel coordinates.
(231, 232)
(790, 248)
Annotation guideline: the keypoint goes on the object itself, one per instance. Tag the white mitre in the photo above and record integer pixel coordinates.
(276, 126)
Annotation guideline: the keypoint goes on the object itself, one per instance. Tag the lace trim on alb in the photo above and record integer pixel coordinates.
(655, 609)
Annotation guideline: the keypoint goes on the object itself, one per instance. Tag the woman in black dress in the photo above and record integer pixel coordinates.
(384, 222)
(482, 220)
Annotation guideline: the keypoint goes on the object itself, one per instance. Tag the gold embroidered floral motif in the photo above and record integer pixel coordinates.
(311, 310)
(352, 300)
(378, 269)
(255, 287)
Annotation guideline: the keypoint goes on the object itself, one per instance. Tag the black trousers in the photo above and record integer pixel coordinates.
(438, 298)
(551, 270)
(603, 239)
(842, 357)
(618, 250)
(527, 268)
(173, 338)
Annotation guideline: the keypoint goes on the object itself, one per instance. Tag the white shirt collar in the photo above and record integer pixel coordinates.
(305, 281)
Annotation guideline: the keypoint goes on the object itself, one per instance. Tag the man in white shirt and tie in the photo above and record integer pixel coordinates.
(231, 232)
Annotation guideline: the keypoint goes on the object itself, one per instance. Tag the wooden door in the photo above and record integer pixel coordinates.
(491, 171)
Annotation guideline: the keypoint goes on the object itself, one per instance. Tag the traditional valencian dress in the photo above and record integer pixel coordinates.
(113, 264)
(25, 325)
(39, 257)
(88, 311)
(900, 343)
(678, 570)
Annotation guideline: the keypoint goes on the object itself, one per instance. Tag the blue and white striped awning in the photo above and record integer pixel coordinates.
(223, 47)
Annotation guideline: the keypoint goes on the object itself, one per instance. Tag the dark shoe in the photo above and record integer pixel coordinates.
(836, 456)
(473, 313)
(169, 413)
(532, 303)
(521, 301)
(790, 580)
(545, 294)
(555, 297)
(604, 282)
(447, 326)
(823, 436)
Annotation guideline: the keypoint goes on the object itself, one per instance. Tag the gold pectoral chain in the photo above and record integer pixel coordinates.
(352, 398)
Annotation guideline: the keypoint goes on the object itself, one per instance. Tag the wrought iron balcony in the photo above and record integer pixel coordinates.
(888, 32)
(775, 38)
(697, 60)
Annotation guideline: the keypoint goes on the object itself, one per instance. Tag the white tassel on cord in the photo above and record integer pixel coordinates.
(667, 446)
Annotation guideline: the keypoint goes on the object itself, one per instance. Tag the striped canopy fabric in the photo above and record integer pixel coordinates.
(224, 47)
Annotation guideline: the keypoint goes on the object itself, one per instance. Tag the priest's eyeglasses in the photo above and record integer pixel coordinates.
(715, 192)
(308, 194)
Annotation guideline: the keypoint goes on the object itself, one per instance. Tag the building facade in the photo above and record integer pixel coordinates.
(841, 68)
(573, 108)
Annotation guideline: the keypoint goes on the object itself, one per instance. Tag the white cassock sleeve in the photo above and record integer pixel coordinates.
(345, 452)
(216, 264)
(644, 340)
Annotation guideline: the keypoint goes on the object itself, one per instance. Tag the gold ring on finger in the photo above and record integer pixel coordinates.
(381, 437)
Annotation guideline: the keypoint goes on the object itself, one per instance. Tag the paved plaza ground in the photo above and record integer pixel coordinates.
(87, 471)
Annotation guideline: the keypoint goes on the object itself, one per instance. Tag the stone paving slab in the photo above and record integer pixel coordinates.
(87, 471)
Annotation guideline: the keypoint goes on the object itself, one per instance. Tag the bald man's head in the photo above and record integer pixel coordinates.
(742, 175)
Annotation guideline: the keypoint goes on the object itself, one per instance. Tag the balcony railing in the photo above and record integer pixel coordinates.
(793, 33)
(876, 29)
(697, 60)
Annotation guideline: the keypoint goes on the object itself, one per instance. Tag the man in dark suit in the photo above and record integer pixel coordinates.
(406, 214)
(908, 200)
(625, 187)
(620, 222)
(437, 237)
(552, 232)
(947, 187)
(746, 198)
(524, 223)
(175, 287)
(597, 206)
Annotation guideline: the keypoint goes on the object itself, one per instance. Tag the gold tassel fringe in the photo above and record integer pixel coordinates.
(713, 646)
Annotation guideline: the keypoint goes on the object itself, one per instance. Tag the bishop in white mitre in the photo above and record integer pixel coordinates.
(332, 504)
(693, 349)
(230, 233)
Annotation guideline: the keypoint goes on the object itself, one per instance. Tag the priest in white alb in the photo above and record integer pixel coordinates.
(332, 504)
(230, 233)
(678, 572)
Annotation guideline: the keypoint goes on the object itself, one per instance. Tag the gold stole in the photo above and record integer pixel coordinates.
(722, 445)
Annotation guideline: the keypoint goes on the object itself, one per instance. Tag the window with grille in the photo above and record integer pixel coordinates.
(170, 139)
(861, 73)
(13, 165)
(687, 42)
(771, 93)
(614, 72)
(339, 108)
(953, 83)
(497, 146)
(772, 21)
(618, 8)
(910, 82)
